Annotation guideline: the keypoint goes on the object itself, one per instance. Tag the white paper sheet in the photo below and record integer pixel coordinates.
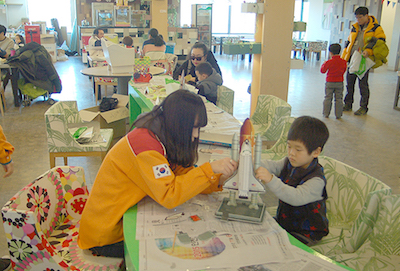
(189, 237)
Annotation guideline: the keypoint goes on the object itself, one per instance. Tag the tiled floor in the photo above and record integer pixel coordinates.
(368, 143)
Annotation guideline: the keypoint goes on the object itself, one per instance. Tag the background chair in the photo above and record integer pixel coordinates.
(279, 149)
(2, 99)
(352, 207)
(381, 251)
(164, 60)
(269, 117)
(225, 98)
(42, 224)
(60, 141)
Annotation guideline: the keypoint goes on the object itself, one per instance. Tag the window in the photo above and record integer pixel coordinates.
(45, 10)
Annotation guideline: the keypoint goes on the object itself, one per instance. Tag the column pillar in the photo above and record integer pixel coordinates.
(271, 68)
(159, 16)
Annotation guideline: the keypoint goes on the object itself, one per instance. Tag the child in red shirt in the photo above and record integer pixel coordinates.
(335, 67)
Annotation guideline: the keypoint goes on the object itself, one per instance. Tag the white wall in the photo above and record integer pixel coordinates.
(15, 10)
(390, 18)
(314, 22)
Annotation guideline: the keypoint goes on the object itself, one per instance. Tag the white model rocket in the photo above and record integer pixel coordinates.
(243, 180)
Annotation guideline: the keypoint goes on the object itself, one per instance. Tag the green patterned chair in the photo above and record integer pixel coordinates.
(225, 97)
(60, 141)
(269, 115)
(41, 223)
(279, 149)
(381, 251)
(352, 207)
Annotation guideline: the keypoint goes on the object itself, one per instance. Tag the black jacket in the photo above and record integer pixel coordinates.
(35, 65)
(190, 68)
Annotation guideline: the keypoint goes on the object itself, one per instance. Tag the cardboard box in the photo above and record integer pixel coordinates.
(47, 39)
(51, 48)
(115, 119)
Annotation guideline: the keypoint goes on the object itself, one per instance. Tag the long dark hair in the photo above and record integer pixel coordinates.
(158, 39)
(177, 115)
(201, 46)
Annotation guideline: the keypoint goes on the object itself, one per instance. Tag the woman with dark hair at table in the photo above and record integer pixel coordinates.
(198, 54)
(156, 159)
(155, 43)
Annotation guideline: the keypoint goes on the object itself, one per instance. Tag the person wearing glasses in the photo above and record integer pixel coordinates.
(365, 29)
(198, 54)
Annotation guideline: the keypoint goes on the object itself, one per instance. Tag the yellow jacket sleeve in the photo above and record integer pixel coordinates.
(169, 189)
(6, 149)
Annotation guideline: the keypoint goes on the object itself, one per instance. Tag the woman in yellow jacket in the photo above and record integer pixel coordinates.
(361, 32)
(156, 159)
(6, 149)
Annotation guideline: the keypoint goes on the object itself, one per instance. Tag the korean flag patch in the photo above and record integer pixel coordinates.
(162, 170)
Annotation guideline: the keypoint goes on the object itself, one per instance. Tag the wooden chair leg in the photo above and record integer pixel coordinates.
(66, 161)
(52, 161)
(96, 92)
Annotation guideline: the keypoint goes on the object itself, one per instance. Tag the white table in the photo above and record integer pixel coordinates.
(123, 78)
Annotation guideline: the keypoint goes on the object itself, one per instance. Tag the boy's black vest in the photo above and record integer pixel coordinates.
(310, 219)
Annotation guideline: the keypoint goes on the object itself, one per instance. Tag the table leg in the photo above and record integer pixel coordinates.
(122, 87)
(220, 48)
(250, 56)
(396, 98)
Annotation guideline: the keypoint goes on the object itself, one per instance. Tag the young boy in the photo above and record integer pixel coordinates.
(336, 67)
(209, 80)
(299, 182)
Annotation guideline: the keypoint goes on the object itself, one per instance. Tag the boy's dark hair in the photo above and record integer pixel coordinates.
(3, 29)
(312, 132)
(205, 68)
(96, 30)
(128, 41)
(335, 48)
(361, 11)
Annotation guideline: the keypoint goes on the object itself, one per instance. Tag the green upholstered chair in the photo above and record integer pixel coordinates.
(60, 141)
(225, 97)
(269, 115)
(41, 223)
(381, 251)
(279, 149)
(352, 207)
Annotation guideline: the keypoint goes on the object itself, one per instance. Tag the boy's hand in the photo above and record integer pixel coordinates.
(9, 169)
(263, 174)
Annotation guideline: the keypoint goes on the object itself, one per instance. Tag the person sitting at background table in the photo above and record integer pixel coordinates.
(155, 159)
(198, 54)
(155, 43)
(208, 83)
(95, 50)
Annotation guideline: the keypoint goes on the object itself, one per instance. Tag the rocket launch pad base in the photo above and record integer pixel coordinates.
(240, 212)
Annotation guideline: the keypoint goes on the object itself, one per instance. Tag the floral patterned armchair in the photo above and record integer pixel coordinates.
(352, 207)
(60, 141)
(381, 251)
(42, 223)
(269, 117)
(225, 97)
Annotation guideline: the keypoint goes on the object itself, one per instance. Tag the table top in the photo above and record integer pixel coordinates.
(219, 121)
(104, 71)
(149, 237)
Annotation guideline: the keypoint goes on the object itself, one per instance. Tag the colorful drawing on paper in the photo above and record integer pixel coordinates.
(196, 249)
